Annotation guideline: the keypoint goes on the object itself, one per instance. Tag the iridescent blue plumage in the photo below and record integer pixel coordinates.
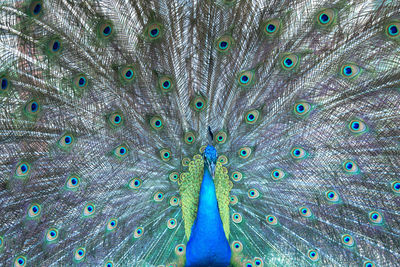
(208, 245)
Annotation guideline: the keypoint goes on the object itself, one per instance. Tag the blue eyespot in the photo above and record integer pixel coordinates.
(223, 45)
(154, 32)
(288, 62)
(393, 30)
(82, 81)
(324, 18)
(350, 167)
(56, 46)
(20, 261)
(107, 30)
(4, 83)
(37, 9)
(129, 74)
(34, 107)
(270, 28)
(347, 71)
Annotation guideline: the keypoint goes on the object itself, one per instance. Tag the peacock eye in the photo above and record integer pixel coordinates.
(251, 116)
(313, 255)
(258, 262)
(165, 154)
(174, 201)
(154, 31)
(253, 193)
(36, 8)
(32, 108)
(158, 196)
(271, 220)
(375, 217)
(66, 141)
(236, 218)
(73, 182)
(393, 30)
(237, 176)
(224, 43)
(368, 264)
(189, 138)
(135, 183)
(173, 176)
(222, 159)
(88, 210)
(244, 152)
(246, 78)
(237, 246)
(79, 254)
(332, 196)
(305, 212)
(180, 249)
(220, 137)
(115, 119)
(347, 240)
(302, 108)
(127, 74)
(5, 84)
(234, 200)
(22, 170)
(112, 224)
(289, 61)
(350, 71)
(157, 123)
(80, 81)
(271, 27)
(165, 83)
(138, 232)
(326, 17)
(105, 29)
(357, 127)
(34, 211)
(396, 186)
(109, 264)
(277, 174)
(350, 167)
(121, 151)
(171, 224)
(199, 103)
(51, 235)
(54, 46)
(20, 261)
(298, 153)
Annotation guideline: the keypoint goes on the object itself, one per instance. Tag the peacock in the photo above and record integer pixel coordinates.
(215, 133)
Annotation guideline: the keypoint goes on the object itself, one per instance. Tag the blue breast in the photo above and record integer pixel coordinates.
(208, 245)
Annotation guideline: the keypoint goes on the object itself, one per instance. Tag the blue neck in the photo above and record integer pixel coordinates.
(208, 245)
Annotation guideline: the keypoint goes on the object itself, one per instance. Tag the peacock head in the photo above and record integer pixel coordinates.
(210, 158)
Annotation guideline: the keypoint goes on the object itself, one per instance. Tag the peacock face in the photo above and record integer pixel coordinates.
(210, 157)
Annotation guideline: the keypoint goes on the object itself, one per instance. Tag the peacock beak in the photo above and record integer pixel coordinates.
(211, 166)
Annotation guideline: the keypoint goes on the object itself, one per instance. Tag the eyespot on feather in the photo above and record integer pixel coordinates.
(251, 116)
(79, 254)
(135, 183)
(271, 27)
(237, 246)
(271, 220)
(180, 250)
(20, 261)
(326, 17)
(246, 78)
(224, 43)
(157, 123)
(289, 61)
(165, 154)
